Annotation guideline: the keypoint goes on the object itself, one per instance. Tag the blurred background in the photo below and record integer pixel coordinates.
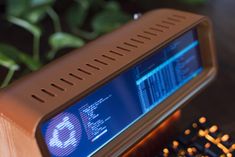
(34, 32)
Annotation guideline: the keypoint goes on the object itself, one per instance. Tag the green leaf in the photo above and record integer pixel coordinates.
(36, 14)
(40, 2)
(55, 19)
(8, 62)
(19, 57)
(76, 15)
(30, 10)
(37, 11)
(36, 31)
(62, 40)
(107, 21)
(113, 6)
(16, 7)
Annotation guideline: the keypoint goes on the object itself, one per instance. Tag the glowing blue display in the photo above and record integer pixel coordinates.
(92, 122)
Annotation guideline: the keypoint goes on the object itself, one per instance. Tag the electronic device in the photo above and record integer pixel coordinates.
(101, 99)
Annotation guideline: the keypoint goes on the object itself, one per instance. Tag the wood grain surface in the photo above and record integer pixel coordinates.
(14, 141)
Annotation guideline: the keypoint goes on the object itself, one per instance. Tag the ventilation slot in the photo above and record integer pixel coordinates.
(48, 93)
(116, 53)
(84, 71)
(108, 57)
(136, 40)
(144, 37)
(93, 67)
(101, 62)
(37, 98)
(124, 49)
(75, 76)
(67, 82)
(57, 87)
(179, 16)
(155, 29)
(173, 19)
(131, 45)
(169, 23)
(150, 33)
(162, 26)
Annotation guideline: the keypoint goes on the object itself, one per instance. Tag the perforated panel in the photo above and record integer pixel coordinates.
(99, 64)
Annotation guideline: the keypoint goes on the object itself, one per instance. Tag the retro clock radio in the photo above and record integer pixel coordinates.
(101, 99)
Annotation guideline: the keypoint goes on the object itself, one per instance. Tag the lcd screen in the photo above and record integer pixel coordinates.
(90, 123)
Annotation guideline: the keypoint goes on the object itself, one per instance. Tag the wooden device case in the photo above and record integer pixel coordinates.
(45, 93)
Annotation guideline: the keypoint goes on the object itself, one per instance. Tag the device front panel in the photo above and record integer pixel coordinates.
(90, 123)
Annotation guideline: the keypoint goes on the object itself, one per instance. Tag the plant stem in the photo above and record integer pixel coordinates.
(55, 18)
(36, 44)
(8, 78)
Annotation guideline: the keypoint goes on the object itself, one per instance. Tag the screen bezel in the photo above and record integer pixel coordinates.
(153, 118)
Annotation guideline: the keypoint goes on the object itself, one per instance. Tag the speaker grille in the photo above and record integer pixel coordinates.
(100, 63)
